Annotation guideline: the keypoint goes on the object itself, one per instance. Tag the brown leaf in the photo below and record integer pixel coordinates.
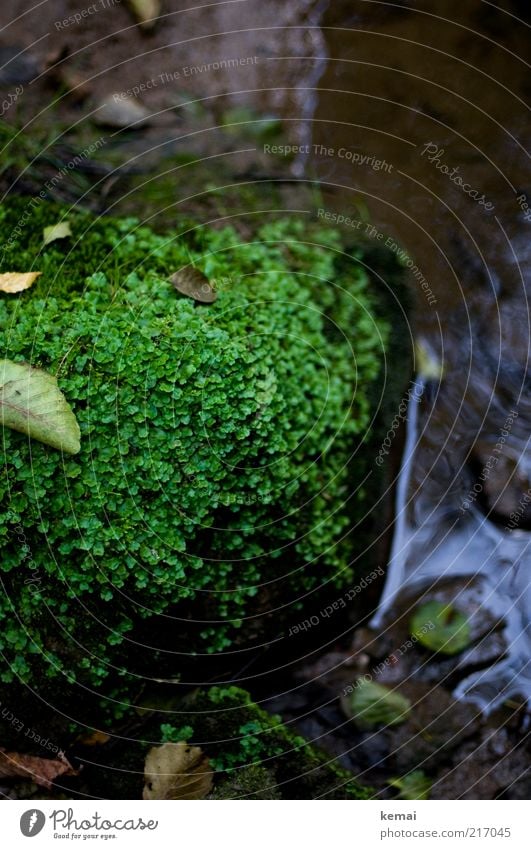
(194, 284)
(17, 281)
(177, 771)
(95, 738)
(42, 771)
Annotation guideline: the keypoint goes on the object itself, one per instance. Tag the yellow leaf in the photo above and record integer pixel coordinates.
(56, 231)
(177, 771)
(145, 12)
(17, 281)
(32, 403)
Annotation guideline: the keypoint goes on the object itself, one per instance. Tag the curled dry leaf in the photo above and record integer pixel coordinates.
(32, 403)
(56, 231)
(146, 12)
(177, 771)
(42, 771)
(194, 284)
(117, 111)
(17, 281)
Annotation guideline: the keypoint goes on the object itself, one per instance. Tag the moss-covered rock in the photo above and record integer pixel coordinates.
(253, 754)
(218, 474)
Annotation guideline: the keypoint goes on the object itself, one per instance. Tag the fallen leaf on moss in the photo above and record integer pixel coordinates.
(17, 281)
(32, 403)
(194, 284)
(56, 231)
(146, 12)
(177, 771)
(413, 786)
(373, 704)
(450, 633)
(42, 771)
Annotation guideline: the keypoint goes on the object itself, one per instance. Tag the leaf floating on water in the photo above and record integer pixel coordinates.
(450, 633)
(42, 771)
(194, 284)
(17, 281)
(414, 785)
(56, 231)
(427, 366)
(146, 12)
(373, 704)
(32, 403)
(177, 771)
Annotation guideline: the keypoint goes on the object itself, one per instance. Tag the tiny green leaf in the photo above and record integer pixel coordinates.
(56, 231)
(32, 403)
(373, 704)
(450, 633)
(414, 785)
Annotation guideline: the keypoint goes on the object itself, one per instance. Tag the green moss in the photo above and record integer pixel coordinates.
(250, 748)
(216, 475)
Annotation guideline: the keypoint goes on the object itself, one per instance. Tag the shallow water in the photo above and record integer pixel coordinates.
(421, 129)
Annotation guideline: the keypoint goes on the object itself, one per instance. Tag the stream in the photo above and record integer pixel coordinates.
(431, 156)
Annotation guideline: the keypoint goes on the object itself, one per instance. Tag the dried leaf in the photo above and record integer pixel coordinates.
(194, 284)
(56, 231)
(32, 403)
(177, 771)
(15, 281)
(95, 738)
(42, 771)
(146, 12)
(118, 111)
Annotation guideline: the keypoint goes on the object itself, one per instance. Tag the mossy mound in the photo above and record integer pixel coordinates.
(252, 753)
(247, 745)
(218, 474)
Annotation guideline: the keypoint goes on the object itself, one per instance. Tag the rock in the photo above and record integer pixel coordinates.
(437, 725)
